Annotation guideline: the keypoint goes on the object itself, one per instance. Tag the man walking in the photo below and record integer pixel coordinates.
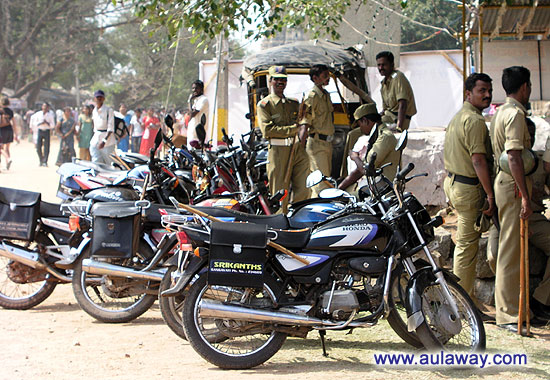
(468, 160)
(103, 141)
(319, 119)
(397, 95)
(43, 121)
(509, 134)
(278, 116)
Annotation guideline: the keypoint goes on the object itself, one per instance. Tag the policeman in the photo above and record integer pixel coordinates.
(277, 116)
(397, 94)
(366, 117)
(468, 159)
(509, 134)
(320, 121)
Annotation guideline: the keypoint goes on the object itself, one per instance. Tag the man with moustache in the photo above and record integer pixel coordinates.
(468, 160)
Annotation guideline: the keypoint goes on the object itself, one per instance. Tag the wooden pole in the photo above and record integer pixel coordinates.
(521, 316)
(526, 275)
(464, 69)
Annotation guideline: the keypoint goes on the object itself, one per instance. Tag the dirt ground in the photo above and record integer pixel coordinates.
(56, 340)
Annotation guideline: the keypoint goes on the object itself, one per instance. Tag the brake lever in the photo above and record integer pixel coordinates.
(416, 175)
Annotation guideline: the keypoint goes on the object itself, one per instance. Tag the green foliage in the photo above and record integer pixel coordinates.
(207, 19)
(440, 13)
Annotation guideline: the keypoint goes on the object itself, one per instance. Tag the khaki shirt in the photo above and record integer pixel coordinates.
(384, 146)
(466, 135)
(277, 116)
(509, 129)
(319, 112)
(395, 88)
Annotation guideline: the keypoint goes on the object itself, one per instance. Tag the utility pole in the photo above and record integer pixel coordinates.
(222, 88)
(77, 85)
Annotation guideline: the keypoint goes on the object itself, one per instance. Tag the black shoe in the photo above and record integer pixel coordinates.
(486, 318)
(537, 321)
(539, 309)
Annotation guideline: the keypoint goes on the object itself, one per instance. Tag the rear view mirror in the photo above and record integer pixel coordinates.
(314, 178)
(169, 122)
(333, 193)
(373, 135)
(402, 142)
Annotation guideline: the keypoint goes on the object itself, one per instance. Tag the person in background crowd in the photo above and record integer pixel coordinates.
(136, 130)
(151, 126)
(65, 129)
(6, 131)
(43, 122)
(319, 118)
(124, 142)
(397, 94)
(197, 130)
(85, 131)
(18, 126)
(103, 142)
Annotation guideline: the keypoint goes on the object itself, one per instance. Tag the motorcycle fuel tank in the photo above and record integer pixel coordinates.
(351, 232)
(313, 213)
(112, 194)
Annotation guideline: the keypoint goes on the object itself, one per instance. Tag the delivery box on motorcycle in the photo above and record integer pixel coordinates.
(115, 229)
(237, 254)
(19, 211)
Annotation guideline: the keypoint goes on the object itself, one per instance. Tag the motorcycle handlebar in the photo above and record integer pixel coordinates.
(401, 175)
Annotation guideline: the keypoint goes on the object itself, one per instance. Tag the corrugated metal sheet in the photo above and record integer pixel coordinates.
(514, 16)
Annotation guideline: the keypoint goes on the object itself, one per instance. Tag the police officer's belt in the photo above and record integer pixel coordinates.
(101, 130)
(281, 142)
(463, 179)
(327, 138)
(396, 114)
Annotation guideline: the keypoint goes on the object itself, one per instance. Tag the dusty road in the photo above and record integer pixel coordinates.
(56, 340)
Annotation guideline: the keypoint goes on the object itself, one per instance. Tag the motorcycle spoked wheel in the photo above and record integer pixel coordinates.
(23, 296)
(247, 344)
(96, 297)
(439, 331)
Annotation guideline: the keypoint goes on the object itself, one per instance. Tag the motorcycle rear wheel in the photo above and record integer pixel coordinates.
(91, 294)
(436, 333)
(23, 296)
(238, 350)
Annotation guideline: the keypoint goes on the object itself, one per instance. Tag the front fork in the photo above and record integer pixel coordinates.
(438, 273)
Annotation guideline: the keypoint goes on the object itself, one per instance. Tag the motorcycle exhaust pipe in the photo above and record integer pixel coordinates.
(21, 255)
(215, 309)
(98, 267)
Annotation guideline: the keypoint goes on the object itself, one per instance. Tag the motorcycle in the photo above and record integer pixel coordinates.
(249, 290)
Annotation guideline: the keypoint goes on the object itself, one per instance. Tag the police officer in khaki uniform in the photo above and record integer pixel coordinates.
(509, 134)
(468, 160)
(319, 118)
(277, 116)
(366, 117)
(397, 95)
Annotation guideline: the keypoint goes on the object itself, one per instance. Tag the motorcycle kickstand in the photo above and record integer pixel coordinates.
(322, 334)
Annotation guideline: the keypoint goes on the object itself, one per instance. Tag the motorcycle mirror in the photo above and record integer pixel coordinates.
(158, 139)
(402, 142)
(169, 122)
(120, 179)
(314, 178)
(373, 135)
(333, 193)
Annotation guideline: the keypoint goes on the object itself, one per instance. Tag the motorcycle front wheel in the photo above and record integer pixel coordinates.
(112, 299)
(171, 308)
(22, 287)
(246, 344)
(440, 331)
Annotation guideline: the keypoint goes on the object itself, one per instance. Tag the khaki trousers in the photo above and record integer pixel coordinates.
(468, 201)
(507, 267)
(539, 236)
(278, 162)
(320, 158)
(390, 119)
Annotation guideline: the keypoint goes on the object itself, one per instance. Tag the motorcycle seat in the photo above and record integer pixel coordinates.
(51, 210)
(292, 238)
(152, 214)
(278, 221)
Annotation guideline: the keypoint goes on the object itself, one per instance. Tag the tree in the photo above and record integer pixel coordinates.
(41, 39)
(440, 13)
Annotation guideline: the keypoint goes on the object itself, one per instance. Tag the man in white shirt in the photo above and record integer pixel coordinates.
(197, 130)
(43, 122)
(103, 141)
(136, 130)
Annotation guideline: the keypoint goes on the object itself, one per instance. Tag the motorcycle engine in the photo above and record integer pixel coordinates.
(339, 304)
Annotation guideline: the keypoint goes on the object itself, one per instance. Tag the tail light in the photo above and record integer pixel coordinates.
(74, 223)
(184, 242)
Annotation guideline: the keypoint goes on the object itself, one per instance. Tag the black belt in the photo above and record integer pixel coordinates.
(320, 136)
(463, 179)
(101, 130)
(396, 114)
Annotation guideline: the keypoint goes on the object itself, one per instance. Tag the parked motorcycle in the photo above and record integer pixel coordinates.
(259, 286)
